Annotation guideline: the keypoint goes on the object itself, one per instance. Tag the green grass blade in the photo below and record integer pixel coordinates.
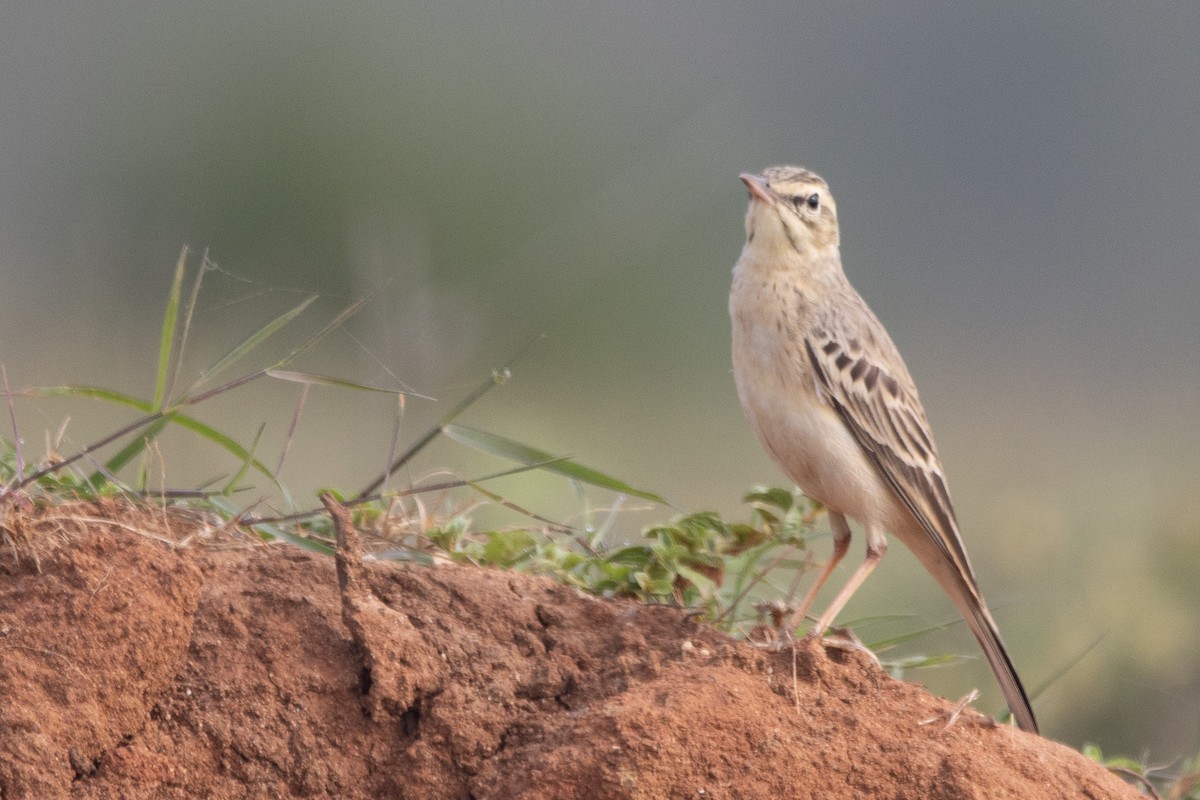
(186, 327)
(878, 645)
(132, 450)
(225, 442)
(167, 336)
(192, 399)
(442, 486)
(310, 379)
(284, 535)
(90, 393)
(495, 379)
(192, 424)
(524, 454)
(251, 342)
(512, 471)
(510, 505)
(902, 665)
(1068, 665)
(271, 532)
(333, 325)
(247, 462)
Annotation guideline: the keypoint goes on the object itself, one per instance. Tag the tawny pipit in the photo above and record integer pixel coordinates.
(829, 397)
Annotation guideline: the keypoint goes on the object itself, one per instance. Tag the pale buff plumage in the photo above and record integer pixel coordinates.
(831, 400)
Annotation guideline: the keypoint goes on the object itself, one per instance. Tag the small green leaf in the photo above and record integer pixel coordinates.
(772, 496)
(506, 548)
(634, 555)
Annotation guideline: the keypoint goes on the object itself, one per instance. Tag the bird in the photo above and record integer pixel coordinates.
(831, 401)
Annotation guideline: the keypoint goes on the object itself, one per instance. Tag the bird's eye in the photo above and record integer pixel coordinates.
(814, 201)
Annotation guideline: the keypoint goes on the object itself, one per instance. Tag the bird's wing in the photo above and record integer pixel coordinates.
(859, 372)
(861, 375)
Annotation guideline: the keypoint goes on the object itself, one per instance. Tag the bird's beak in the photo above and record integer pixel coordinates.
(758, 188)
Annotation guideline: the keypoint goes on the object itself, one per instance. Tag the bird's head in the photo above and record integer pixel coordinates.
(790, 208)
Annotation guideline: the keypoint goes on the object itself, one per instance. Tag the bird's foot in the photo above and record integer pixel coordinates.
(845, 640)
(774, 639)
(776, 634)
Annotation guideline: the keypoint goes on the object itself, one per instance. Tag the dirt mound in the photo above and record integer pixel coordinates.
(133, 668)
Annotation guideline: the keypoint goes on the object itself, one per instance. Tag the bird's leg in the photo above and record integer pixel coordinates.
(841, 544)
(876, 546)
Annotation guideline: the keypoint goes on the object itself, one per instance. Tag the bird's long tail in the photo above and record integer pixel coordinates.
(959, 583)
(980, 621)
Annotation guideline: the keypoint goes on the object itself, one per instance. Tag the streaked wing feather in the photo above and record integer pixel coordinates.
(871, 391)
(877, 401)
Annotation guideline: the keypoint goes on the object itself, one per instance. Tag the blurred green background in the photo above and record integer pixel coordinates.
(1018, 193)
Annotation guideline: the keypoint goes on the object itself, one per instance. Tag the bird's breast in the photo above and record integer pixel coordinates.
(797, 426)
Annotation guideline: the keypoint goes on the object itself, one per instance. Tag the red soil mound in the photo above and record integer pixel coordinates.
(133, 668)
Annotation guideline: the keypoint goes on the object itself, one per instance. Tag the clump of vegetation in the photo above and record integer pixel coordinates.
(698, 560)
(1181, 782)
(701, 561)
